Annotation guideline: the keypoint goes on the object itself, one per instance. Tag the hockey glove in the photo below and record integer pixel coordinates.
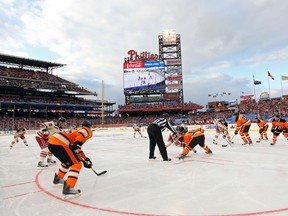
(236, 132)
(87, 163)
(183, 144)
(174, 135)
(272, 130)
(76, 145)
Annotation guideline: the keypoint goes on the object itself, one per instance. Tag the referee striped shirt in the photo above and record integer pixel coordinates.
(163, 124)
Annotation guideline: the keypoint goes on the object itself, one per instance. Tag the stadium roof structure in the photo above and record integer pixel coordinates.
(27, 62)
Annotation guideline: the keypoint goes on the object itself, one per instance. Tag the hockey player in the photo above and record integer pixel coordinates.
(221, 127)
(178, 138)
(242, 126)
(279, 125)
(48, 129)
(20, 133)
(137, 129)
(194, 137)
(263, 127)
(67, 147)
(155, 130)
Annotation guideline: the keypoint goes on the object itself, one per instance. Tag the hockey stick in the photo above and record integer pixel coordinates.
(98, 174)
(229, 142)
(232, 137)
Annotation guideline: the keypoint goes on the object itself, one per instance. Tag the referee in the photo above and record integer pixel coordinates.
(155, 130)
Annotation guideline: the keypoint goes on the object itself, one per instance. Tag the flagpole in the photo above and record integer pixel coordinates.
(281, 88)
(102, 103)
(269, 85)
(254, 88)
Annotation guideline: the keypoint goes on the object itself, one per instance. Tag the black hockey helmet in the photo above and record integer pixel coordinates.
(86, 123)
(182, 130)
(165, 115)
(62, 119)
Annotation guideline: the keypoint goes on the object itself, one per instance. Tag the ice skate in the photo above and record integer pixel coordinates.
(50, 161)
(244, 143)
(272, 144)
(182, 156)
(209, 151)
(57, 180)
(41, 164)
(70, 193)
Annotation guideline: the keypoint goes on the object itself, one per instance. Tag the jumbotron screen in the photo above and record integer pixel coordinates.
(144, 78)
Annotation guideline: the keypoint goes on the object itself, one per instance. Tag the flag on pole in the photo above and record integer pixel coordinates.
(270, 75)
(284, 77)
(256, 82)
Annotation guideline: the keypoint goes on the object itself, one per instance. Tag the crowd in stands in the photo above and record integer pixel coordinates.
(160, 106)
(265, 109)
(36, 79)
(8, 123)
(72, 100)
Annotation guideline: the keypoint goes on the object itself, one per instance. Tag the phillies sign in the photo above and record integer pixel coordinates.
(143, 56)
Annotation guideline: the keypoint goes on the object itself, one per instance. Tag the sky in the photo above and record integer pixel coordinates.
(223, 42)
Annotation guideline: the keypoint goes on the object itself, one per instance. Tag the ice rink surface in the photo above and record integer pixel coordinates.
(236, 180)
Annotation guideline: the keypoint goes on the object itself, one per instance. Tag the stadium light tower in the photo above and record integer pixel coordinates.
(170, 53)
